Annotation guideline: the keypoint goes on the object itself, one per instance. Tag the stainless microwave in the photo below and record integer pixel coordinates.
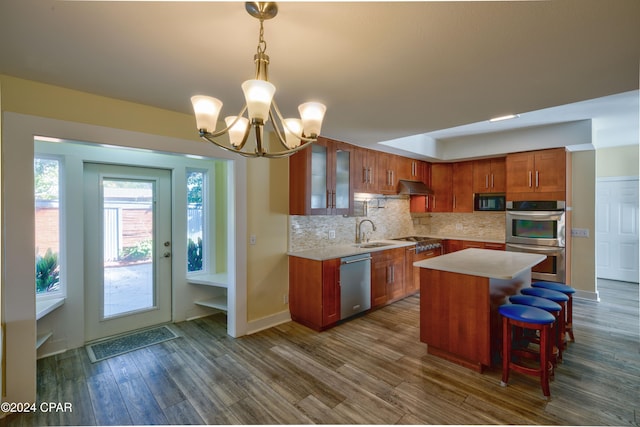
(489, 202)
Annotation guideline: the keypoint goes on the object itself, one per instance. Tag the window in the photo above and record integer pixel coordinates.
(195, 220)
(47, 225)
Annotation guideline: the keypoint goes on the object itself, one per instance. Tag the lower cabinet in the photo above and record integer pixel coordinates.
(458, 245)
(314, 292)
(387, 276)
(412, 274)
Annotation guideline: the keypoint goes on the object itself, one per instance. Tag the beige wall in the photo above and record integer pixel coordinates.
(583, 255)
(617, 161)
(267, 262)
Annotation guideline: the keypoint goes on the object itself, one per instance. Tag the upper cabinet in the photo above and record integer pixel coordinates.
(442, 186)
(364, 171)
(489, 176)
(462, 187)
(320, 179)
(388, 166)
(537, 175)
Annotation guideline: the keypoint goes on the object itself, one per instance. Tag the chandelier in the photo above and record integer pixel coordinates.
(293, 134)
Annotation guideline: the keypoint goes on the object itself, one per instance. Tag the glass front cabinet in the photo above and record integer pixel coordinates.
(320, 179)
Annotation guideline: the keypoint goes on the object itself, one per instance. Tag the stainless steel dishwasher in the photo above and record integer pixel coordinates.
(355, 284)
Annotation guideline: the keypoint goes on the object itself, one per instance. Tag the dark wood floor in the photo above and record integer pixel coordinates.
(371, 370)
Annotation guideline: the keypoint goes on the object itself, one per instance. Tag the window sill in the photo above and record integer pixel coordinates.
(219, 280)
(46, 306)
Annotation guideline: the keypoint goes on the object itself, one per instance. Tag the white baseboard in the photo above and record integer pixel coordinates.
(268, 322)
(588, 295)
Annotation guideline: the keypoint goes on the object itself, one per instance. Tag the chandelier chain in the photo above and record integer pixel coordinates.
(262, 44)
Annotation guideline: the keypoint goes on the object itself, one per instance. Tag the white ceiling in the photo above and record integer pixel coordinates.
(385, 70)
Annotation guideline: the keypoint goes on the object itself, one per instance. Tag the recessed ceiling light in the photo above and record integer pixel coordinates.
(507, 117)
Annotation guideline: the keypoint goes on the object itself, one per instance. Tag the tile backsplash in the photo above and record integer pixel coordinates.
(392, 219)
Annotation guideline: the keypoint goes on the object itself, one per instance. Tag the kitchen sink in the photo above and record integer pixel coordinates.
(373, 245)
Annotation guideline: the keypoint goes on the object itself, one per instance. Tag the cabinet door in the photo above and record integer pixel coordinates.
(441, 183)
(482, 176)
(364, 171)
(462, 187)
(379, 269)
(550, 170)
(387, 173)
(395, 278)
(341, 188)
(330, 292)
(453, 245)
(405, 169)
(520, 172)
(498, 175)
(320, 196)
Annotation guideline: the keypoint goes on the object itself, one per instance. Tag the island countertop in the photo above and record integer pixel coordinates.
(483, 262)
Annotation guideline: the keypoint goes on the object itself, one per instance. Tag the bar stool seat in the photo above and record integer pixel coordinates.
(557, 297)
(568, 291)
(532, 318)
(547, 305)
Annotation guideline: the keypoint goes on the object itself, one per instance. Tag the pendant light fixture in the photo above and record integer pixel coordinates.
(293, 134)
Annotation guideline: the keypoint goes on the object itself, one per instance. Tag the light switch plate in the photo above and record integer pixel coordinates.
(580, 232)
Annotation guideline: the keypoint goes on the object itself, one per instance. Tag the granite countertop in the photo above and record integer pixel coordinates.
(483, 263)
(340, 251)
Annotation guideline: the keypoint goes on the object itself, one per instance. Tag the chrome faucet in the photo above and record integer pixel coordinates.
(359, 234)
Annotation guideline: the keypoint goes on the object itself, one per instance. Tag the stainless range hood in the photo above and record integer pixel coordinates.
(413, 188)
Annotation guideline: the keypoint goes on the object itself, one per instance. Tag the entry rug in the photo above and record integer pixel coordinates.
(124, 344)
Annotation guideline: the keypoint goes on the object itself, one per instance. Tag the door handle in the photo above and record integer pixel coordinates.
(167, 255)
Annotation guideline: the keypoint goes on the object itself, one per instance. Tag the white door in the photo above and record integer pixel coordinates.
(617, 229)
(127, 238)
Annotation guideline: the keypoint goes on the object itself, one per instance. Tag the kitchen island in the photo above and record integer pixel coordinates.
(459, 298)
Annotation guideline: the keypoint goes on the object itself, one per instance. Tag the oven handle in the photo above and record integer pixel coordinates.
(536, 249)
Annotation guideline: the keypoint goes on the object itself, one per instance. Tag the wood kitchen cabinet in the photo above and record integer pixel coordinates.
(489, 176)
(321, 179)
(365, 174)
(412, 274)
(462, 187)
(387, 276)
(452, 245)
(442, 186)
(537, 175)
(388, 166)
(314, 292)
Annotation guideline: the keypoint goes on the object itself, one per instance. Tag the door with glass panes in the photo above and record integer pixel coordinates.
(127, 234)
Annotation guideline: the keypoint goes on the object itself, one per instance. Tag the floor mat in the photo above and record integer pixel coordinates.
(124, 344)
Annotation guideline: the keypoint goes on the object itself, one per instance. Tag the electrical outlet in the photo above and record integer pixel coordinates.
(285, 298)
(458, 227)
(580, 232)
(332, 234)
(252, 239)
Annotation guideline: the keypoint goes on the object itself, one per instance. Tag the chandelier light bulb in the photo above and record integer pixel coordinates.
(258, 95)
(312, 114)
(206, 109)
(237, 131)
(292, 132)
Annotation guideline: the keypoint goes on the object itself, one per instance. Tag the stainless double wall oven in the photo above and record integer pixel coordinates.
(539, 227)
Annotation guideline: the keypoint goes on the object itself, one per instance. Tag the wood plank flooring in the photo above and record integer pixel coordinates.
(371, 370)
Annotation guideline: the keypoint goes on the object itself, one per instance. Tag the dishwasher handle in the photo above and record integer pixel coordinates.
(355, 260)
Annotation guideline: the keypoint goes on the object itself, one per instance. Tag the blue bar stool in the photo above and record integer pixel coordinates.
(568, 291)
(557, 297)
(546, 305)
(532, 318)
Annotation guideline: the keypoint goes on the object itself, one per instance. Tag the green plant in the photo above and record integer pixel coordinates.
(194, 255)
(141, 251)
(47, 272)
